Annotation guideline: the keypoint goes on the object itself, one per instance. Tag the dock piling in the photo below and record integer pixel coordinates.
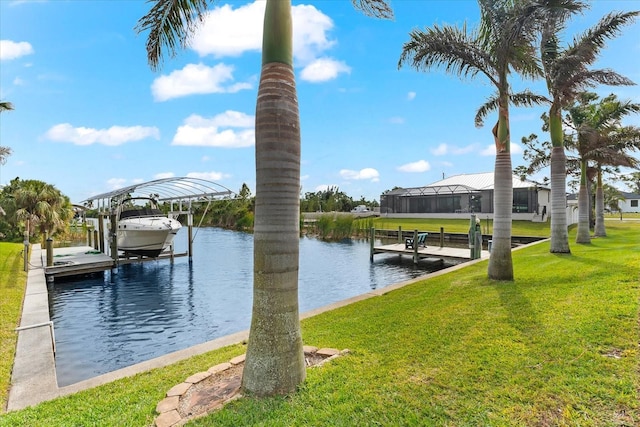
(49, 246)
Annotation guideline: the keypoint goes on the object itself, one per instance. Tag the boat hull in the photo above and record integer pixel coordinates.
(146, 236)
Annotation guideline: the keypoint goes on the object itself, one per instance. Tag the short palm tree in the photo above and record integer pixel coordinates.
(567, 74)
(275, 361)
(41, 207)
(504, 43)
(600, 140)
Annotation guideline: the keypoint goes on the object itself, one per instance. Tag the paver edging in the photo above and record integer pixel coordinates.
(169, 409)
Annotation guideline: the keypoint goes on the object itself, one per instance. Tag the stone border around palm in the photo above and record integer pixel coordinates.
(208, 391)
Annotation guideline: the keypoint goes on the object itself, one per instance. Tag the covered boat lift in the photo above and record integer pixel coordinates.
(179, 192)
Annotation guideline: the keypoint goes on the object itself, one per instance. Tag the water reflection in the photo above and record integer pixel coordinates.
(111, 320)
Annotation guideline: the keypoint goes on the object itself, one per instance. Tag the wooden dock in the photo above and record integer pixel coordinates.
(79, 260)
(435, 252)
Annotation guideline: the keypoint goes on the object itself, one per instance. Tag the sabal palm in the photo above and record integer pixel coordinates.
(567, 74)
(503, 44)
(274, 362)
(41, 206)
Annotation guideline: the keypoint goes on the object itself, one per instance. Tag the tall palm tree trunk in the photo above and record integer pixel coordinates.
(500, 261)
(583, 235)
(275, 360)
(599, 230)
(559, 230)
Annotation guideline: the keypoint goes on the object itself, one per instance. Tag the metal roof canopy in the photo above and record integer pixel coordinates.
(181, 189)
(432, 190)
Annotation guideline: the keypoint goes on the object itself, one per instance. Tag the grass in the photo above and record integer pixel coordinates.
(556, 347)
(12, 286)
(432, 225)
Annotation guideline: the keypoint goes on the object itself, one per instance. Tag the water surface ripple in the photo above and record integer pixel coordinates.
(112, 320)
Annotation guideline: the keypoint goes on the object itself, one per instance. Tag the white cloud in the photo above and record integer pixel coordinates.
(205, 159)
(411, 96)
(217, 131)
(115, 135)
(490, 150)
(310, 28)
(440, 150)
(366, 173)
(443, 149)
(324, 187)
(196, 79)
(211, 176)
(397, 120)
(12, 50)
(323, 69)
(115, 183)
(419, 166)
(18, 81)
(231, 32)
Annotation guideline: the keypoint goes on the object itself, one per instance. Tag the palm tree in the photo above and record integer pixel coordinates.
(275, 360)
(40, 207)
(503, 44)
(600, 139)
(566, 75)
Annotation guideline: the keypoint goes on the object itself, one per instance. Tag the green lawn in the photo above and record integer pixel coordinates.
(12, 285)
(519, 228)
(556, 347)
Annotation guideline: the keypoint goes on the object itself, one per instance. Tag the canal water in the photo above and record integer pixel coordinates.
(111, 320)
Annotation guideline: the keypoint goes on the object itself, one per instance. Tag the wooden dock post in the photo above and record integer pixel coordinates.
(25, 251)
(49, 246)
(399, 234)
(114, 240)
(189, 236)
(100, 243)
(96, 244)
(442, 237)
(371, 243)
(89, 237)
(415, 247)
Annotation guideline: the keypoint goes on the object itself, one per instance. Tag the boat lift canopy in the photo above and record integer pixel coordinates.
(182, 190)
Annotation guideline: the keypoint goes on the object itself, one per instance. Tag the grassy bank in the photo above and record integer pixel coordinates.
(559, 346)
(519, 228)
(12, 285)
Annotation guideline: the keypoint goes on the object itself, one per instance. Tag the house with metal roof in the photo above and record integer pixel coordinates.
(459, 195)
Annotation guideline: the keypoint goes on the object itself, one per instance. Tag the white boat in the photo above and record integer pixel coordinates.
(144, 230)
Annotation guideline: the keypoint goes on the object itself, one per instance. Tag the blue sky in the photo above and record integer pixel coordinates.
(91, 116)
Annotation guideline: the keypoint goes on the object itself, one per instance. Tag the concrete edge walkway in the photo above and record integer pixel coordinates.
(34, 375)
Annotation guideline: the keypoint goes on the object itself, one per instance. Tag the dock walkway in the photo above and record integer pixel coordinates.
(79, 260)
(429, 251)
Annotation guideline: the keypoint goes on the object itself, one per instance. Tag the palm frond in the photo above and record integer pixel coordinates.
(170, 24)
(375, 8)
(528, 99)
(454, 49)
(490, 105)
(5, 106)
(587, 47)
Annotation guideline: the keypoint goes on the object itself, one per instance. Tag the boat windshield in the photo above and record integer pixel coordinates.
(140, 213)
